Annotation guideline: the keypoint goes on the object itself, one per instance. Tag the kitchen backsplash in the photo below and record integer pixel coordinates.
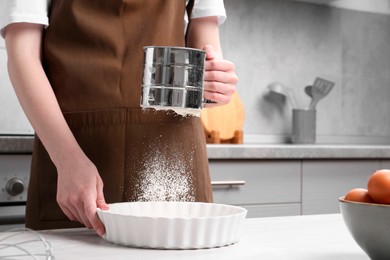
(292, 43)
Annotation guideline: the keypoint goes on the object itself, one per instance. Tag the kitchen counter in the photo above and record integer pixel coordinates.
(308, 237)
(24, 144)
(294, 151)
(16, 144)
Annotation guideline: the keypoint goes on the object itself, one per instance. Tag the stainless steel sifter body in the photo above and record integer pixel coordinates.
(172, 77)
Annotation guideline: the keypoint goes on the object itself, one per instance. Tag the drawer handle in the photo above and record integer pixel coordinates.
(227, 183)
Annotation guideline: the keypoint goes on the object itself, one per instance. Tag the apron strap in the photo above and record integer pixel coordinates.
(189, 8)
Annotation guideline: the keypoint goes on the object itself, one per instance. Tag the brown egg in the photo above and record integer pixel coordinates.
(359, 195)
(379, 186)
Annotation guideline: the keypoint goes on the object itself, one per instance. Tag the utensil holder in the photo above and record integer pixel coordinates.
(303, 126)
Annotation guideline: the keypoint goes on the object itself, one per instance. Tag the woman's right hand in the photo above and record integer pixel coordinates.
(80, 188)
(80, 192)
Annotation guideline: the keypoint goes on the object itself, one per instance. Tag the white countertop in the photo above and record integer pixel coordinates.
(308, 237)
(295, 151)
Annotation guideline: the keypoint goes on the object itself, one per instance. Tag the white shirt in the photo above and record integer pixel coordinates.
(36, 11)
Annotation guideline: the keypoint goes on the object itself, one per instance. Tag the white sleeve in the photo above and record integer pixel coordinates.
(204, 8)
(18, 11)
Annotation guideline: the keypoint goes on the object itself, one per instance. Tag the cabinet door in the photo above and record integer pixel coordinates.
(266, 182)
(273, 210)
(324, 181)
(385, 164)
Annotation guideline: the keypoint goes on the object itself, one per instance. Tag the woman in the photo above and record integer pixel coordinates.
(78, 81)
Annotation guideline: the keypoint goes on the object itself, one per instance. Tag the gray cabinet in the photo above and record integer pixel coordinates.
(324, 181)
(289, 187)
(385, 164)
(272, 188)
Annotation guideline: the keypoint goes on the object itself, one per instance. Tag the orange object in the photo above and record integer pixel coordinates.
(379, 186)
(224, 124)
(359, 195)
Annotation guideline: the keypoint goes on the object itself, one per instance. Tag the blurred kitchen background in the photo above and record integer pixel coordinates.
(292, 42)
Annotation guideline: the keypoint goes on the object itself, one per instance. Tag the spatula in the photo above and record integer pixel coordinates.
(320, 89)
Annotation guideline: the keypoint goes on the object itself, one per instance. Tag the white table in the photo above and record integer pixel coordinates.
(308, 237)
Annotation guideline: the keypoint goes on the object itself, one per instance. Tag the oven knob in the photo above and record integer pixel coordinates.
(14, 187)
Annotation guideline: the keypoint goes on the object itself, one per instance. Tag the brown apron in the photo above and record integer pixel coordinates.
(93, 56)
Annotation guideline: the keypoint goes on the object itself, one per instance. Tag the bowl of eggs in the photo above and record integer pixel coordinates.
(172, 225)
(366, 213)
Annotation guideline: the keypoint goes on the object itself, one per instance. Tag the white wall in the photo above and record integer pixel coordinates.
(293, 42)
(12, 118)
(374, 6)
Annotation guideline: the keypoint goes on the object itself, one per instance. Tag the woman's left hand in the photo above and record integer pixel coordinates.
(220, 78)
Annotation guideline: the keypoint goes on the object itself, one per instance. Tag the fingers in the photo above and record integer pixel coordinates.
(100, 201)
(219, 81)
(221, 99)
(221, 77)
(93, 219)
(68, 212)
(210, 53)
(88, 212)
(218, 88)
(219, 65)
(73, 207)
(65, 204)
(84, 211)
(80, 204)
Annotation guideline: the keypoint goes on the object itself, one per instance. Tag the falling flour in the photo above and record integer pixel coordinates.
(165, 176)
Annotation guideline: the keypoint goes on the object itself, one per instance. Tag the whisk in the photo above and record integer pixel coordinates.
(17, 244)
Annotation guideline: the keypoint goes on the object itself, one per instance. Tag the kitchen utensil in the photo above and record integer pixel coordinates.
(303, 126)
(369, 225)
(172, 78)
(225, 120)
(172, 225)
(24, 243)
(320, 89)
(281, 89)
(308, 91)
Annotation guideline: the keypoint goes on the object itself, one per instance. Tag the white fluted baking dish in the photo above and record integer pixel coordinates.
(173, 225)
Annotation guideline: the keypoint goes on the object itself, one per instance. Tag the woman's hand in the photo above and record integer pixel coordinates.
(219, 79)
(80, 192)
(80, 189)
